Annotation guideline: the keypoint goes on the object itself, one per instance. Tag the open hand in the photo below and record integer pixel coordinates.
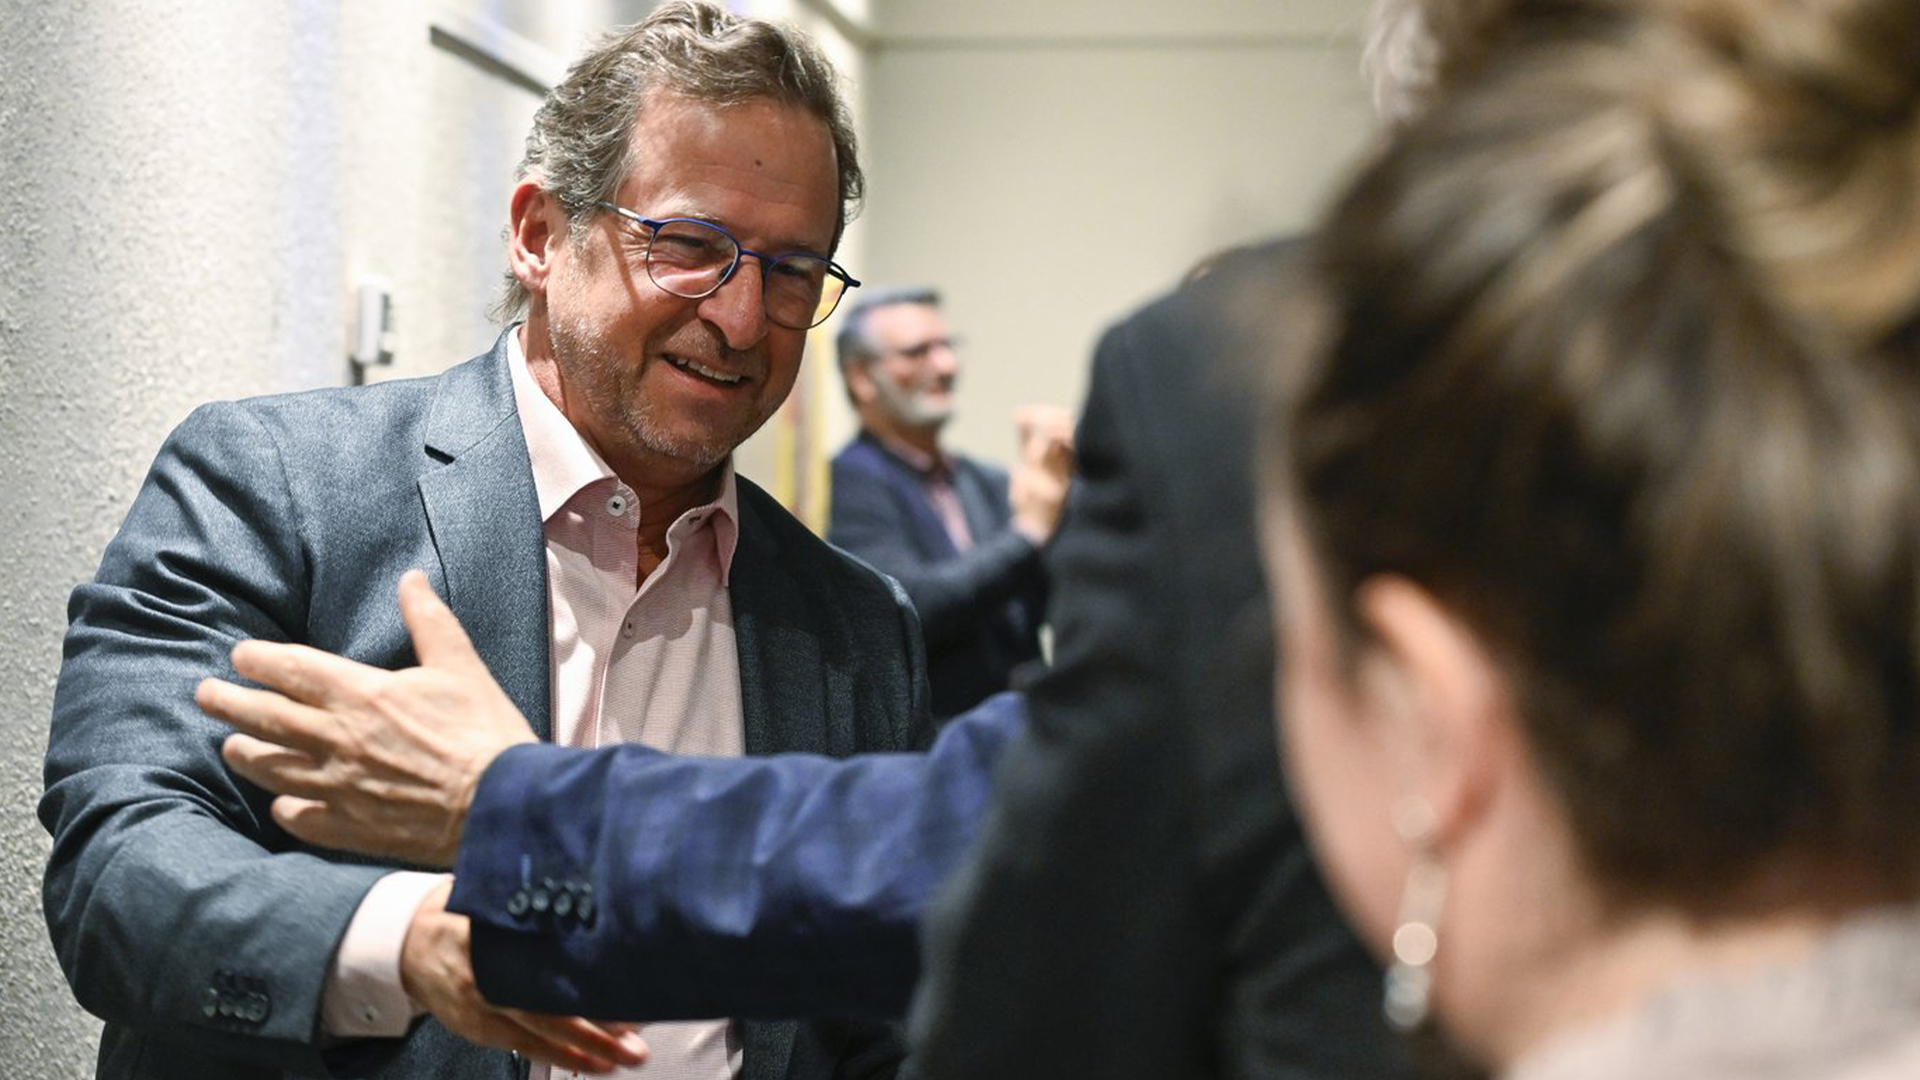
(380, 762)
(1039, 482)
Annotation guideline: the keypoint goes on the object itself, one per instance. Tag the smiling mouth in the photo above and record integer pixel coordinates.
(705, 372)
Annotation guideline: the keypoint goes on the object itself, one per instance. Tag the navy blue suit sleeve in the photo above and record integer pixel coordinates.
(952, 593)
(759, 887)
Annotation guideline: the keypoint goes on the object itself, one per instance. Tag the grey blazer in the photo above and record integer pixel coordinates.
(200, 931)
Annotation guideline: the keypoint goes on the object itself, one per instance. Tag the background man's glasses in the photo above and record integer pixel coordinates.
(921, 350)
(692, 259)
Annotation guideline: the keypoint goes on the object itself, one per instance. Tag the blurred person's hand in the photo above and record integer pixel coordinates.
(1039, 483)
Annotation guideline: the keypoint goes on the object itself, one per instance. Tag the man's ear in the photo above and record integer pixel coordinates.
(1431, 678)
(859, 376)
(536, 227)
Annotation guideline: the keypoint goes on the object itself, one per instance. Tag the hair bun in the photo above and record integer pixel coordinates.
(1802, 118)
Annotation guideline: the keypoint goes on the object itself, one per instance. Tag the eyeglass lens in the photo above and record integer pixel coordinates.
(687, 258)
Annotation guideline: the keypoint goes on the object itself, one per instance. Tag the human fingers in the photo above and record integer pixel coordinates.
(438, 638)
(436, 970)
(303, 818)
(1048, 421)
(271, 717)
(324, 807)
(301, 672)
(269, 763)
(492, 1027)
(1060, 458)
(327, 825)
(583, 1045)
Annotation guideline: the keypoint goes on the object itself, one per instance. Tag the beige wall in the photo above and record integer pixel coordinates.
(1052, 165)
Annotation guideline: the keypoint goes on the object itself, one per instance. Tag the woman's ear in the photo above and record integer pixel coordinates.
(536, 224)
(1427, 675)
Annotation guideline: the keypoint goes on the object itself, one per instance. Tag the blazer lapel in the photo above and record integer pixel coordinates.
(484, 517)
(911, 492)
(766, 1048)
(782, 703)
(782, 698)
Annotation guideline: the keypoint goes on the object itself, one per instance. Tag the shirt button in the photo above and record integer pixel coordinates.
(617, 505)
(369, 1014)
(626, 629)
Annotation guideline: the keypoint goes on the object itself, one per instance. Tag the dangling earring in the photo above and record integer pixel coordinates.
(1409, 984)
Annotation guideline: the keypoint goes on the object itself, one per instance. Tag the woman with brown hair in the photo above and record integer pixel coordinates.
(1597, 541)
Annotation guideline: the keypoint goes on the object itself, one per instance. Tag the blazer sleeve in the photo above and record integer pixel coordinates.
(760, 887)
(952, 595)
(175, 904)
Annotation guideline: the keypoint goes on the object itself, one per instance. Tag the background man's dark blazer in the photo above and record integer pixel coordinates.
(1141, 903)
(980, 609)
(181, 914)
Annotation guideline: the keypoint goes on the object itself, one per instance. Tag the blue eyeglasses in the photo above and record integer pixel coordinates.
(692, 258)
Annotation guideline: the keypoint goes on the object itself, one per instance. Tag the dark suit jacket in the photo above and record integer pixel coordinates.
(1141, 903)
(980, 609)
(758, 886)
(181, 914)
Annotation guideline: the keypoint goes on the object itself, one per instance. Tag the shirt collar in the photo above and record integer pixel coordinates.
(564, 464)
(935, 466)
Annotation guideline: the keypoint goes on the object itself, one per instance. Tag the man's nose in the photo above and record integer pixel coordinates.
(944, 359)
(737, 308)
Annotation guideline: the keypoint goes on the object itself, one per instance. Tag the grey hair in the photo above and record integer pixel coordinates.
(854, 344)
(580, 147)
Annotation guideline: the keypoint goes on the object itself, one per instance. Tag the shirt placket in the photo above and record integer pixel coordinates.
(640, 625)
(616, 562)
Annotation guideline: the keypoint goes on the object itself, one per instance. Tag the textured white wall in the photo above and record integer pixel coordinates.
(188, 188)
(1049, 166)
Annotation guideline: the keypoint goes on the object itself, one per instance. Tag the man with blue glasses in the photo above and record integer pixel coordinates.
(571, 494)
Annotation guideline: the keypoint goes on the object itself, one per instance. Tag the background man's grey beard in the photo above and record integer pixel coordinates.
(906, 408)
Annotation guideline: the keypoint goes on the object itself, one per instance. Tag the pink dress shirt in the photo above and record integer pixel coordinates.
(649, 661)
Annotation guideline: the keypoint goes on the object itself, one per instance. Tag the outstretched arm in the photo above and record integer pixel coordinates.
(631, 883)
(757, 887)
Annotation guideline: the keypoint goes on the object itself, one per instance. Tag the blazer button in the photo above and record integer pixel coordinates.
(563, 905)
(517, 903)
(541, 901)
(583, 910)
